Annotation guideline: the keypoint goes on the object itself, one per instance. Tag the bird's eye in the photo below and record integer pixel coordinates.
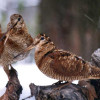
(42, 38)
(19, 19)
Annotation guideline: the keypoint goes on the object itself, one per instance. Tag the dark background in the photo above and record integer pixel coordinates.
(72, 25)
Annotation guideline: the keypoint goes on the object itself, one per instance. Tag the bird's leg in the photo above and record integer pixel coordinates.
(12, 70)
(6, 69)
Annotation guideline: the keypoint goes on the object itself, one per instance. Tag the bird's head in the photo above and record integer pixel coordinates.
(41, 39)
(16, 22)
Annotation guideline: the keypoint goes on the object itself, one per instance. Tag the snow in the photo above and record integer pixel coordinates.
(27, 73)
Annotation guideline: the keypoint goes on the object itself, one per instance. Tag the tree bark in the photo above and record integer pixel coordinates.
(96, 61)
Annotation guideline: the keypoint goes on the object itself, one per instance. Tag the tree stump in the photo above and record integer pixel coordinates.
(14, 89)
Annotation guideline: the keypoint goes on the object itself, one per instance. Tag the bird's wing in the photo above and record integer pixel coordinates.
(66, 66)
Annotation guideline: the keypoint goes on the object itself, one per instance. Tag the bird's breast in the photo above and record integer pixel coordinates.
(13, 48)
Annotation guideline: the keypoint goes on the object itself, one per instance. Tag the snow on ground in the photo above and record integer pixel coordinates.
(27, 73)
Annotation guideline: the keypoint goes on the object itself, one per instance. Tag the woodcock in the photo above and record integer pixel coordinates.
(17, 40)
(59, 64)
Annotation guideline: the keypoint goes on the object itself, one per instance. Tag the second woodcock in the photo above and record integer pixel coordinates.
(18, 39)
(59, 64)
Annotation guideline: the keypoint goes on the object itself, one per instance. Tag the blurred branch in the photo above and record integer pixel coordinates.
(96, 61)
(90, 19)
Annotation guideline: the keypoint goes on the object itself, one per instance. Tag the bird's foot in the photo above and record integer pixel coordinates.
(59, 83)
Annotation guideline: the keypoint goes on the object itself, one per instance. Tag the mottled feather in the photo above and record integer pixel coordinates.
(17, 41)
(62, 65)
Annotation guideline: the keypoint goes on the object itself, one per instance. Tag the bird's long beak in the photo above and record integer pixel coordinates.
(4, 35)
(7, 35)
(26, 50)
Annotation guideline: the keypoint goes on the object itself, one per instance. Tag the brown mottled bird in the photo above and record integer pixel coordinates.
(17, 40)
(59, 64)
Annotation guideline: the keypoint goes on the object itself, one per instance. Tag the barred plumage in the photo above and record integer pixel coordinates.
(18, 40)
(60, 64)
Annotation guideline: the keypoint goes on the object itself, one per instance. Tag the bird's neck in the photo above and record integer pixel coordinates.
(41, 51)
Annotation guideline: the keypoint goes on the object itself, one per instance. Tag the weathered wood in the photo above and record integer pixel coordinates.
(54, 92)
(14, 88)
(96, 61)
(95, 57)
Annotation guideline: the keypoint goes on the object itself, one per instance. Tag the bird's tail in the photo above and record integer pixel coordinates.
(94, 73)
